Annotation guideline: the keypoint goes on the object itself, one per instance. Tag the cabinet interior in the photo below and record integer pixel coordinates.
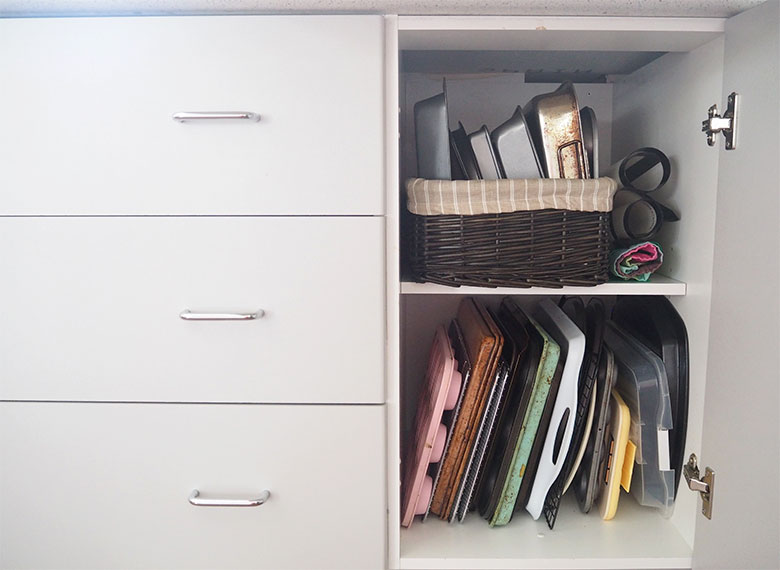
(647, 89)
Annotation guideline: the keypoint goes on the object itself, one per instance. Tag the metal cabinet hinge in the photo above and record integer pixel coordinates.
(727, 124)
(704, 485)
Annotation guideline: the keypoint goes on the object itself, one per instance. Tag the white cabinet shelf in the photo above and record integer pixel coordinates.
(657, 285)
(635, 538)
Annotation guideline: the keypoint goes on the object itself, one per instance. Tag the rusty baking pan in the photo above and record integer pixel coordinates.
(554, 123)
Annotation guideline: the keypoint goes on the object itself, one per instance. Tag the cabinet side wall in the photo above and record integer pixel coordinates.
(392, 289)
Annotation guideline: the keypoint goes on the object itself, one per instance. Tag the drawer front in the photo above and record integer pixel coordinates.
(106, 486)
(91, 309)
(87, 111)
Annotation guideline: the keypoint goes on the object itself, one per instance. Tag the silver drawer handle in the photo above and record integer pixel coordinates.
(229, 115)
(188, 315)
(195, 499)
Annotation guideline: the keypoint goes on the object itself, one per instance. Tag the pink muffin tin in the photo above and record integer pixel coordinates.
(440, 392)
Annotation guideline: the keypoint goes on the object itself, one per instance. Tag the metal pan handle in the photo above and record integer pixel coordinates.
(580, 161)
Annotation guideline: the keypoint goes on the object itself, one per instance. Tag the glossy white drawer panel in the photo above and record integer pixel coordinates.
(91, 309)
(91, 105)
(99, 486)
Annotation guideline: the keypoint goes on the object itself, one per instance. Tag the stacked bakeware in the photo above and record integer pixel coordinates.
(517, 207)
(519, 404)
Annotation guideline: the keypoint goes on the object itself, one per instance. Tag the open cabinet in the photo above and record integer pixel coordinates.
(656, 80)
(163, 176)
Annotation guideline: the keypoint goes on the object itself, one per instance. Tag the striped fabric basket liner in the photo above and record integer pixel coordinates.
(509, 233)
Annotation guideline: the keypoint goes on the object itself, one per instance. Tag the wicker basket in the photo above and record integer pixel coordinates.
(540, 248)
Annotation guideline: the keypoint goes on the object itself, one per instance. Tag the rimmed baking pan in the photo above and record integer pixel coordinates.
(494, 493)
(484, 153)
(465, 163)
(514, 148)
(554, 123)
(432, 137)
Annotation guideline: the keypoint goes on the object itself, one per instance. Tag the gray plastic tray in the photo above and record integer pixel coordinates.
(642, 382)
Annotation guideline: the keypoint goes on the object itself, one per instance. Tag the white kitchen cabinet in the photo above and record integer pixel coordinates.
(721, 261)
(192, 305)
(66, 465)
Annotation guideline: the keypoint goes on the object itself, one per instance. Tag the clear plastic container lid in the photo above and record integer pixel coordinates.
(642, 382)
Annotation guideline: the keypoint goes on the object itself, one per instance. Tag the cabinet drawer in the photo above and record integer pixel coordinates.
(91, 309)
(87, 111)
(107, 485)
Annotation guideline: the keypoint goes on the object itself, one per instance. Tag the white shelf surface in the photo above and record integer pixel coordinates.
(657, 285)
(638, 537)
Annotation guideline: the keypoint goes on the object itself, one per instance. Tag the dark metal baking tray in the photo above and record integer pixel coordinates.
(432, 137)
(590, 139)
(514, 148)
(465, 160)
(486, 156)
